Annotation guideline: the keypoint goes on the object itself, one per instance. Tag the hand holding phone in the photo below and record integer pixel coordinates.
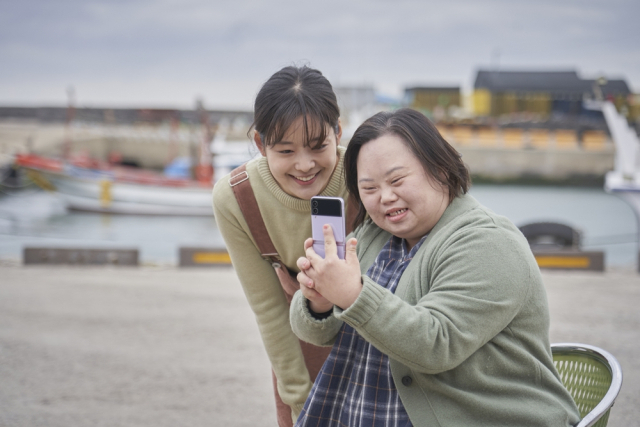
(327, 210)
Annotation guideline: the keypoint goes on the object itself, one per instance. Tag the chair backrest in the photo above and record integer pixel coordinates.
(592, 376)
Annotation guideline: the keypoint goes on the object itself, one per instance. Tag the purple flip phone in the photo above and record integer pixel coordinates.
(327, 210)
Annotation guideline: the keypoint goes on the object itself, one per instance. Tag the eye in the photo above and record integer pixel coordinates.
(396, 180)
(322, 147)
(285, 151)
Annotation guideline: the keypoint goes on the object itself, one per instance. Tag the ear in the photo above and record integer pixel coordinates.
(258, 141)
(339, 134)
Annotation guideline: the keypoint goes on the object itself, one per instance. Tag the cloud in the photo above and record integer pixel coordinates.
(167, 51)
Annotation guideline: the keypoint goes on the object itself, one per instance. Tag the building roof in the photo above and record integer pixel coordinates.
(547, 81)
(613, 87)
(120, 115)
(432, 88)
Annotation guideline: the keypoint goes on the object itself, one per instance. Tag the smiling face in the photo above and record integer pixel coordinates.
(300, 170)
(398, 194)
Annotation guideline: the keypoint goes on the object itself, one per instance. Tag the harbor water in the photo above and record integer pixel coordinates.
(35, 218)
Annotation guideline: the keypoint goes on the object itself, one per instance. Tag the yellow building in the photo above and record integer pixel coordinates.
(498, 93)
(430, 99)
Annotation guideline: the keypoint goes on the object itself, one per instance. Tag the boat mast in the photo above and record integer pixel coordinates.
(204, 167)
(172, 152)
(71, 112)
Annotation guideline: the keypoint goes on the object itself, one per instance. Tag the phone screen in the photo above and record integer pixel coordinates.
(327, 210)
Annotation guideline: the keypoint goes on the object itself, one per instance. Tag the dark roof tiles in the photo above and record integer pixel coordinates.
(547, 81)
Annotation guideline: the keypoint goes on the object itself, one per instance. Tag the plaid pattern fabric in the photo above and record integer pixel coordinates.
(354, 387)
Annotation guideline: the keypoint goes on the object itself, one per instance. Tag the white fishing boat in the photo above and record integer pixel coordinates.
(89, 185)
(100, 187)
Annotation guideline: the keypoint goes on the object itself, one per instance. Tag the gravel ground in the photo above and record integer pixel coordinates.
(162, 346)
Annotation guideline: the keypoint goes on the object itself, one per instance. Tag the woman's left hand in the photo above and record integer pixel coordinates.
(339, 281)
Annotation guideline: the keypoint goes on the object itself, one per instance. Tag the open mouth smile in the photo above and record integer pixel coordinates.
(398, 212)
(305, 179)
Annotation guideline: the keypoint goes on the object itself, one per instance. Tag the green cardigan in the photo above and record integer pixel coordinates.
(467, 330)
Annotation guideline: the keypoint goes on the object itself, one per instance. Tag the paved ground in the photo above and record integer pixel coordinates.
(170, 347)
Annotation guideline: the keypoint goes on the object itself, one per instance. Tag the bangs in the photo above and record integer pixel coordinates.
(315, 123)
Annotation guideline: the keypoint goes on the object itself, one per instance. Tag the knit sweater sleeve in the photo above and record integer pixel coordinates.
(266, 298)
(471, 287)
(320, 332)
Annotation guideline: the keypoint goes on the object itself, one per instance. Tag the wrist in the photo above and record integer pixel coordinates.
(319, 311)
(352, 294)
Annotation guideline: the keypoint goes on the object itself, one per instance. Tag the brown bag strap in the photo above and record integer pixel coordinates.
(239, 182)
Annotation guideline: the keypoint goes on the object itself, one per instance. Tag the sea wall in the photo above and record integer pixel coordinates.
(152, 146)
(501, 164)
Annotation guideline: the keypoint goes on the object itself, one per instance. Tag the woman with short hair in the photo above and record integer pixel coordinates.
(438, 315)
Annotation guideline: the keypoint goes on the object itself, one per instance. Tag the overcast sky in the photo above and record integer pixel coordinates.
(166, 53)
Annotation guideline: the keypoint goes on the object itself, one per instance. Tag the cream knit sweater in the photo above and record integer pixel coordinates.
(288, 222)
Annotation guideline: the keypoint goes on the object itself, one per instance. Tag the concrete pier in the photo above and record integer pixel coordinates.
(166, 346)
(152, 145)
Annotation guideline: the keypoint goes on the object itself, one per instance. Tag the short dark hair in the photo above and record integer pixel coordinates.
(291, 93)
(439, 159)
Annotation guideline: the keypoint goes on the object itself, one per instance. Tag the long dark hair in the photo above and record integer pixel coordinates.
(291, 93)
(439, 159)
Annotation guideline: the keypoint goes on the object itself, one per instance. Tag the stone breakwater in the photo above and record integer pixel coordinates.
(490, 157)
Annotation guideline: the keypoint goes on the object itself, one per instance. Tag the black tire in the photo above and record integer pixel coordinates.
(551, 234)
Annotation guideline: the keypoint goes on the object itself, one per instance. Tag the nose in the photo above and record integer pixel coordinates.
(305, 162)
(388, 195)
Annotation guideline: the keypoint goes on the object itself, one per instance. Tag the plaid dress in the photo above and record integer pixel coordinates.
(354, 387)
